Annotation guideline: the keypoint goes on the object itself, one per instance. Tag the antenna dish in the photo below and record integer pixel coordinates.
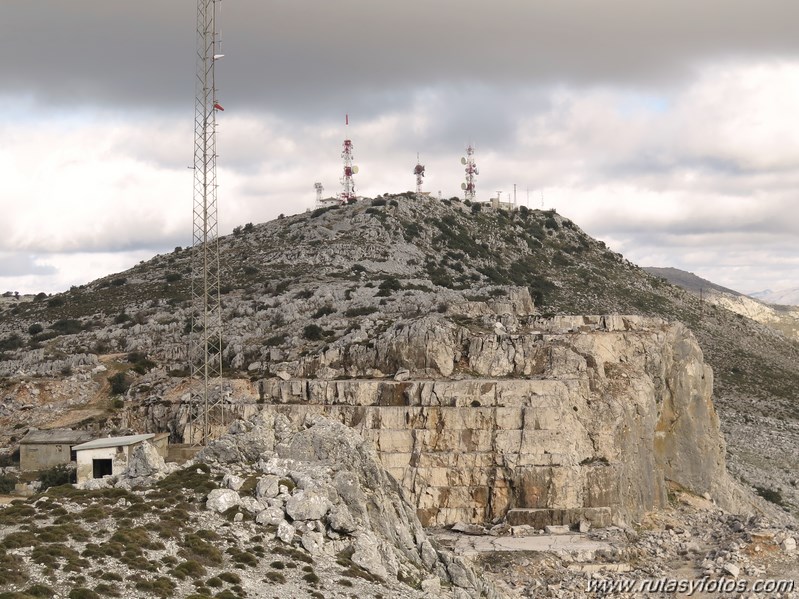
(463, 160)
(463, 186)
(354, 170)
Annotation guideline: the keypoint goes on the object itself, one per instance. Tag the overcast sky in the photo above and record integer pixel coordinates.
(667, 129)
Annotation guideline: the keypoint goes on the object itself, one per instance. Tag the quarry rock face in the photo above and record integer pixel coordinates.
(335, 494)
(566, 419)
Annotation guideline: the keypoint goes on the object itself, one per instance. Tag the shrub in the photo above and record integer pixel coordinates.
(67, 326)
(35, 329)
(11, 342)
(7, 483)
(119, 383)
(313, 332)
(39, 590)
(118, 282)
(56, 476)
(275, 340)
(83, 593)
(323, 311)
(770, 495)
(391, 283)
(56, 302)
(363, 311)
(172, 277)
(141, 363)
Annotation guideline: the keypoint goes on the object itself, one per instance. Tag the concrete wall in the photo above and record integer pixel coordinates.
(43, 456)
(117, 455)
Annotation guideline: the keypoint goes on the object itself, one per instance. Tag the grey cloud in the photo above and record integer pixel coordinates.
(18, 264)
(304, 56)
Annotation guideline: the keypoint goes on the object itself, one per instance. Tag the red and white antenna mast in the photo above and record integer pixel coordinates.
(418, 170)
(348, 192)
(469, 187)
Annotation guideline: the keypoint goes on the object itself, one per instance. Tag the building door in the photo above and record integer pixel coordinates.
(101, 468)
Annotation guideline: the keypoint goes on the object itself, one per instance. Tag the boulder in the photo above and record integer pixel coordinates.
(221, 500)
(268, 486)
(271, 516)
(307, 505)
(285, 532)
(144, 460)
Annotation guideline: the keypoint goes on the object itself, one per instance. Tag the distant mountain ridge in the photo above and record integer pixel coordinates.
(784, 297)
(778, 316)
(687, 280)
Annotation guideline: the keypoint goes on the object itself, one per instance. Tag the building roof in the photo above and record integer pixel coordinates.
(56, 436)
(114, 441)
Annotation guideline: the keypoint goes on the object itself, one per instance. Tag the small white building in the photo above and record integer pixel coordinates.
(109, 456)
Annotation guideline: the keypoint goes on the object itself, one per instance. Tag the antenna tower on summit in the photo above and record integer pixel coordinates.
(418, 170)
(319, 189)
(348, 185)
(206, 417)
(470, 186)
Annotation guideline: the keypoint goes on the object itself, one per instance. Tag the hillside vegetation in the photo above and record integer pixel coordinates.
(299, 285)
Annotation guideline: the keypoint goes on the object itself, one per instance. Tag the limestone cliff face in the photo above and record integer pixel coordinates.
(566, 418)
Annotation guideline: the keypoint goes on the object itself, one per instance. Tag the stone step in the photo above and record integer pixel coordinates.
(598, 517)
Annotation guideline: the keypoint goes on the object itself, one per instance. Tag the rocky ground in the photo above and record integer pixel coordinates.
(691, 540)
(271, 512)
(265, 512)
(110, 356)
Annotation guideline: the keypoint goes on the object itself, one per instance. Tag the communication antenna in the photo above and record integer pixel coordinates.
(469, 187)
(206, 408)
(348, 192)
(418, 170)
(319, 189)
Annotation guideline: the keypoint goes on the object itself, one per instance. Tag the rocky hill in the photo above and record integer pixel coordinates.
(782, 318)
(460, 341)
(783, 297)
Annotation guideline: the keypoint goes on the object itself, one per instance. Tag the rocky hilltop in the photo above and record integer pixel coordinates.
(504, 366)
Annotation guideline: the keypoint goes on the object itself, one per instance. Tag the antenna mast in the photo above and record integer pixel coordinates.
(348, 192)
(319, 189)
(470, 187)
(207, 415)
(418, 170)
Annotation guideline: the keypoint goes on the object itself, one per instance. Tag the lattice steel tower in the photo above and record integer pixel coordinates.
(470, 186)
(207, 413)
(347, 182)
(418, 170)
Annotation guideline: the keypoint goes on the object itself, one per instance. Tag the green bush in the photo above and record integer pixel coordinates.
(67, 326)
(56, 476)
(770, 495)
(313, 332)
(7, 483)
(119, 383)
(35, 329)
(363, 311)
(275, 340)
(323, 311)
(11, 342)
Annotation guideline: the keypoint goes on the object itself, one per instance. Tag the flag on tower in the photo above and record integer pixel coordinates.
(218, 106)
